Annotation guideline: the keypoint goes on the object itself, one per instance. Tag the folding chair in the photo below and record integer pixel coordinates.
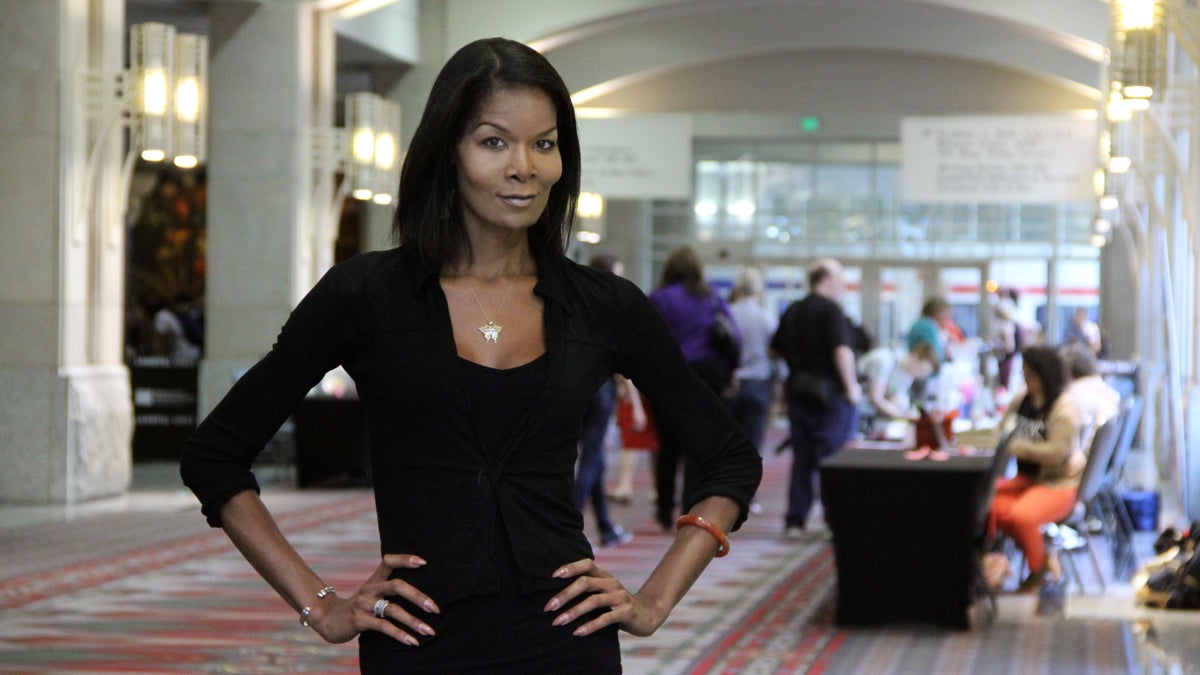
(1070, 535)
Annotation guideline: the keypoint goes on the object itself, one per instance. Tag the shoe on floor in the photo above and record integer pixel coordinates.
(617, 537)
(794, 533)
(1034, 582)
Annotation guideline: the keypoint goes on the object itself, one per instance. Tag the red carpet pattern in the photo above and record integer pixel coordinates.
(193, 605)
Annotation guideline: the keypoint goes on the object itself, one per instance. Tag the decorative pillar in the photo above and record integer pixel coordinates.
(66, 414)
(269, 63)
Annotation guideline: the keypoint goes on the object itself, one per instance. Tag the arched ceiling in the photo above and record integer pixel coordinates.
(884, 59)
(898, 57)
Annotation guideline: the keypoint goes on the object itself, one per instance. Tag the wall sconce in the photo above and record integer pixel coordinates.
(372, 162)
(590, 207)
(1140, 29)
(1116, 108)
(365, 152)
(362, 120)
(151, 63)
(191, 101)
(387, 152)
(161, 97)
(169, 74)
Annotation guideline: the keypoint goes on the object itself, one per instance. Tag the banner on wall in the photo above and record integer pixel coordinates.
(1026, 159)
(637, 156)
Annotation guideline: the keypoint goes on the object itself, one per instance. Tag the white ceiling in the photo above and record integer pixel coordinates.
(885, 58)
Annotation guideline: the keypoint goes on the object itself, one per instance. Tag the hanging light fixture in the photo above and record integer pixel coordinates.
(1140, 29)
(151, 67)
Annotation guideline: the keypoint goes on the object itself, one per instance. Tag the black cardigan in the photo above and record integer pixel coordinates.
(384, 318)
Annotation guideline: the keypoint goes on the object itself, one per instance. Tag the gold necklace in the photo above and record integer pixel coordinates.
(491, 330)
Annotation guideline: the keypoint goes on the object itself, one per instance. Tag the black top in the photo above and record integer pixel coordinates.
(500, 398)
(384, 318)
(809, 330)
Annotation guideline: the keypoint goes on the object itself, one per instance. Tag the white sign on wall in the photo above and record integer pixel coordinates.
(637, 157)
(1036, 159)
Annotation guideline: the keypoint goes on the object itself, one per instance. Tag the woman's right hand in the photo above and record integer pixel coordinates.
(345, 618)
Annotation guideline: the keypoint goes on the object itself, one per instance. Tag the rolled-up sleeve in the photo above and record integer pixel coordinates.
(218, 456)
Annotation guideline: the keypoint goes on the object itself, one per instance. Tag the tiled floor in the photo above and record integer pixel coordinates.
(158, 509)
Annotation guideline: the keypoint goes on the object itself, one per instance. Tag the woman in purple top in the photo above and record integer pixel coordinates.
(688, 305)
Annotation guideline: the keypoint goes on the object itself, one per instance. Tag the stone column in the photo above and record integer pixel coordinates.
(66, 414)
(267, 92)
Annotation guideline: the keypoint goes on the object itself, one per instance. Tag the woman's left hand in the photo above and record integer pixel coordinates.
(633, 613)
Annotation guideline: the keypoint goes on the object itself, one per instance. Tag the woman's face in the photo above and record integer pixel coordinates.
(508, 160)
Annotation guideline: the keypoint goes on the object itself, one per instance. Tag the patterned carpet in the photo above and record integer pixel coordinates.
(191, 604)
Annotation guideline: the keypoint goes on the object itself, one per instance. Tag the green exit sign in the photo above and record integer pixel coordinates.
(810, 124)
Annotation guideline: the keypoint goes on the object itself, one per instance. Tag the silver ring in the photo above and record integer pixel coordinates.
(381, 607)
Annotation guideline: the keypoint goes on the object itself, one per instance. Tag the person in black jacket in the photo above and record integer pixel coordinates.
(475, 347)
(817, 341)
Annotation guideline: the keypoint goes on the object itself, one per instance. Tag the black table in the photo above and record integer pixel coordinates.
(905, 535)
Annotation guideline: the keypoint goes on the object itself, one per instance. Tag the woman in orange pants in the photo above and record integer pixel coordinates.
(1045, 442)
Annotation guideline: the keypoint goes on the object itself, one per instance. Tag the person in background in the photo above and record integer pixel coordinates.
(928, 328)
(1096, 399)
(816, 340)
(951, 331)
(172, 332)
(752, 398)
(476, 346)
(1084, 331)
(863, 341)
(1044, 426)
(638, 438)
(589, 477)
(687, 304)
(888, 381)
(1006, 340)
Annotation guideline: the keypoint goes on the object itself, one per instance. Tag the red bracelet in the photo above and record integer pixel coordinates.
(722, 540)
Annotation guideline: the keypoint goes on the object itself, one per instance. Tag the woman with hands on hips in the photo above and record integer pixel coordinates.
(475, 347)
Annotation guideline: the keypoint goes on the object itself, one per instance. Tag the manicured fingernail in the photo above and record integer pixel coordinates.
(426, 630)
(560, 573)
(418, 561)
(429, 606)
(562, 620)
(410, 640)
(554, 603)
(580, 632)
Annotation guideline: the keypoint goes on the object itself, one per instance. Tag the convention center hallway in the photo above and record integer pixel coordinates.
(139, 584)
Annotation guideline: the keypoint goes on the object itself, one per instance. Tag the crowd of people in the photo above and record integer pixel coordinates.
(812, 363)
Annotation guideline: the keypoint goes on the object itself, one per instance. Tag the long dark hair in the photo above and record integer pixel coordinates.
(683, 266)
(429, 212)
(1049, 367)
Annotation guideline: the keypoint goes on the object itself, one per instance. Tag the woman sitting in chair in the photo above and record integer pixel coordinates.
(1045, 442)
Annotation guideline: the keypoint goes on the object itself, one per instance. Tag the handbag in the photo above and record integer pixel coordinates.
(723, 337)
(811, 389)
